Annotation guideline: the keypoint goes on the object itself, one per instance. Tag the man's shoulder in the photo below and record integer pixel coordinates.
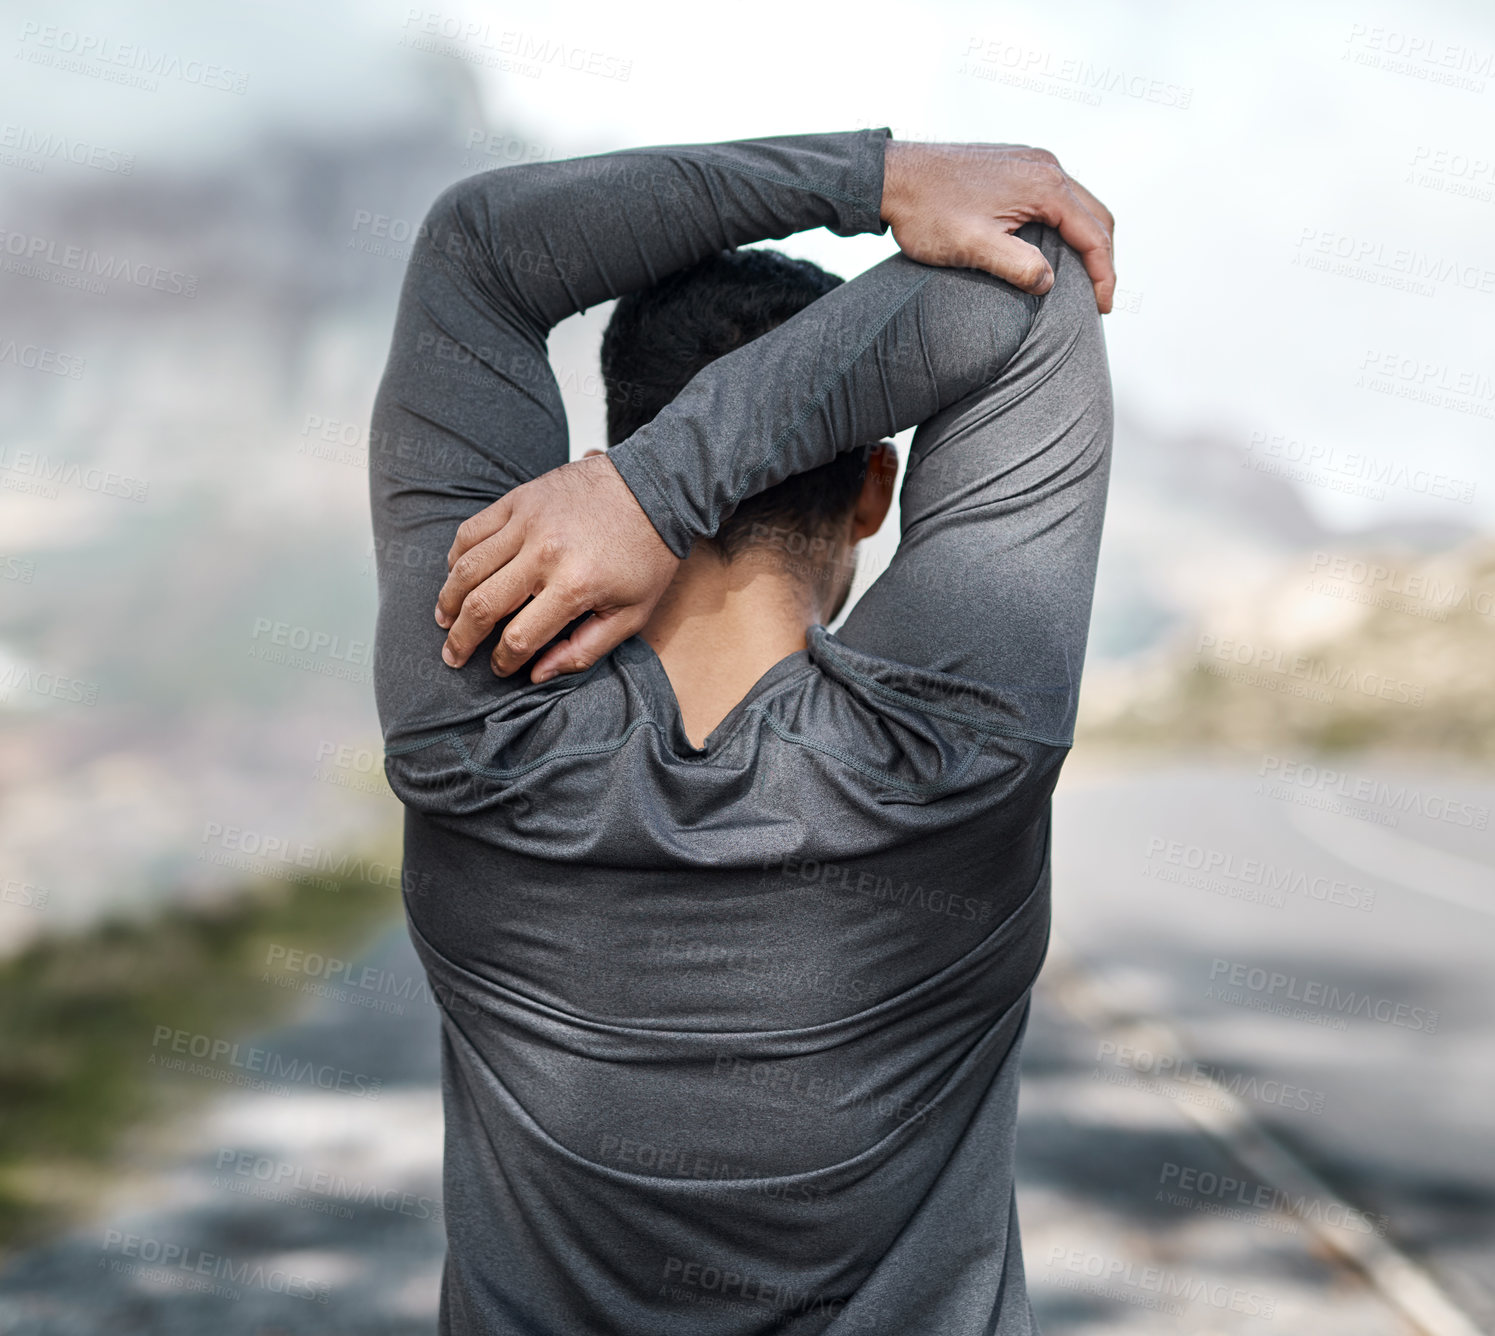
(957, 706)
(872, 723)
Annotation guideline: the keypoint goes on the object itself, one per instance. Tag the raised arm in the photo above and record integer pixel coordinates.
(578, 540)
(1005, 489)
(469, 408)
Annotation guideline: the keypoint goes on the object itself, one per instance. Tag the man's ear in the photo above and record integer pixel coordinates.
(876, 495)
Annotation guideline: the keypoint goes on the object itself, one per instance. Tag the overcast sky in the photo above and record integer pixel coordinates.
(1229, 141)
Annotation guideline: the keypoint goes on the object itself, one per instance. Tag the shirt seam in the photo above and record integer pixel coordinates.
(861, 767)
(886, 777)
(812, 404)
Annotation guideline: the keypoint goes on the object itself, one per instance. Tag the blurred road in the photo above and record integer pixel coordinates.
(267, 1214)
(1360, 1036)
(279, 1214)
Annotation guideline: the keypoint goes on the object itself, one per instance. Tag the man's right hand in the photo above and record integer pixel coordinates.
(572, 541)
(959, 204)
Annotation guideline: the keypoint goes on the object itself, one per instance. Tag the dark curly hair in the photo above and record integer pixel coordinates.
(658, 339)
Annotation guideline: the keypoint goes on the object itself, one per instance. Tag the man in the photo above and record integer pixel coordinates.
(734, 921)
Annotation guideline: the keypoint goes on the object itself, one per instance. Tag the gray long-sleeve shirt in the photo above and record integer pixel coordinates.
(730, 1033)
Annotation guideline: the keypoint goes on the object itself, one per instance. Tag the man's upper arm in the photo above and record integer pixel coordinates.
(1002, 506)
(469, 407)
(1003, 501)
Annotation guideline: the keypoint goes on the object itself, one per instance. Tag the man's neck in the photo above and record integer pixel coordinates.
(720, 626)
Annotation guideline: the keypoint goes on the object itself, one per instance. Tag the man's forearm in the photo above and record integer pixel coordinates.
(883, 352)
(878, 355)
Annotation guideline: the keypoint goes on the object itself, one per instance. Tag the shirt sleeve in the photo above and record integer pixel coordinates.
(1004, 494)
(469, 407)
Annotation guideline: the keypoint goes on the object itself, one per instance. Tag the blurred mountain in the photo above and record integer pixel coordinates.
(1370, 645)
(1190, 527)
(192, 507)
(234, 417)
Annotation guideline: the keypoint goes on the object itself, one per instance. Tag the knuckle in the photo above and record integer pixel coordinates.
(572, 589)
(478, 607)
(552, 548)
(1041, 165)
(1031, 272)
(516, 643)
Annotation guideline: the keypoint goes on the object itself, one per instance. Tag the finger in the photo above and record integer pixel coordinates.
(595, 638)
(1010, 257)
(1085, 234)
(536, 625)
(1098, 210)
(475, 565)
(487, 605)
(484, 524)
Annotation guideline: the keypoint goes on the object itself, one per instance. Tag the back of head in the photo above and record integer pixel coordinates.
(658, 339)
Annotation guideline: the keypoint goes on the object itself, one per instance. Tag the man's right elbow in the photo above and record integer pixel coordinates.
(450, 225)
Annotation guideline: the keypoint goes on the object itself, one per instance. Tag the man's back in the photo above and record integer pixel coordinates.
(730, 1033)
(762, 989)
